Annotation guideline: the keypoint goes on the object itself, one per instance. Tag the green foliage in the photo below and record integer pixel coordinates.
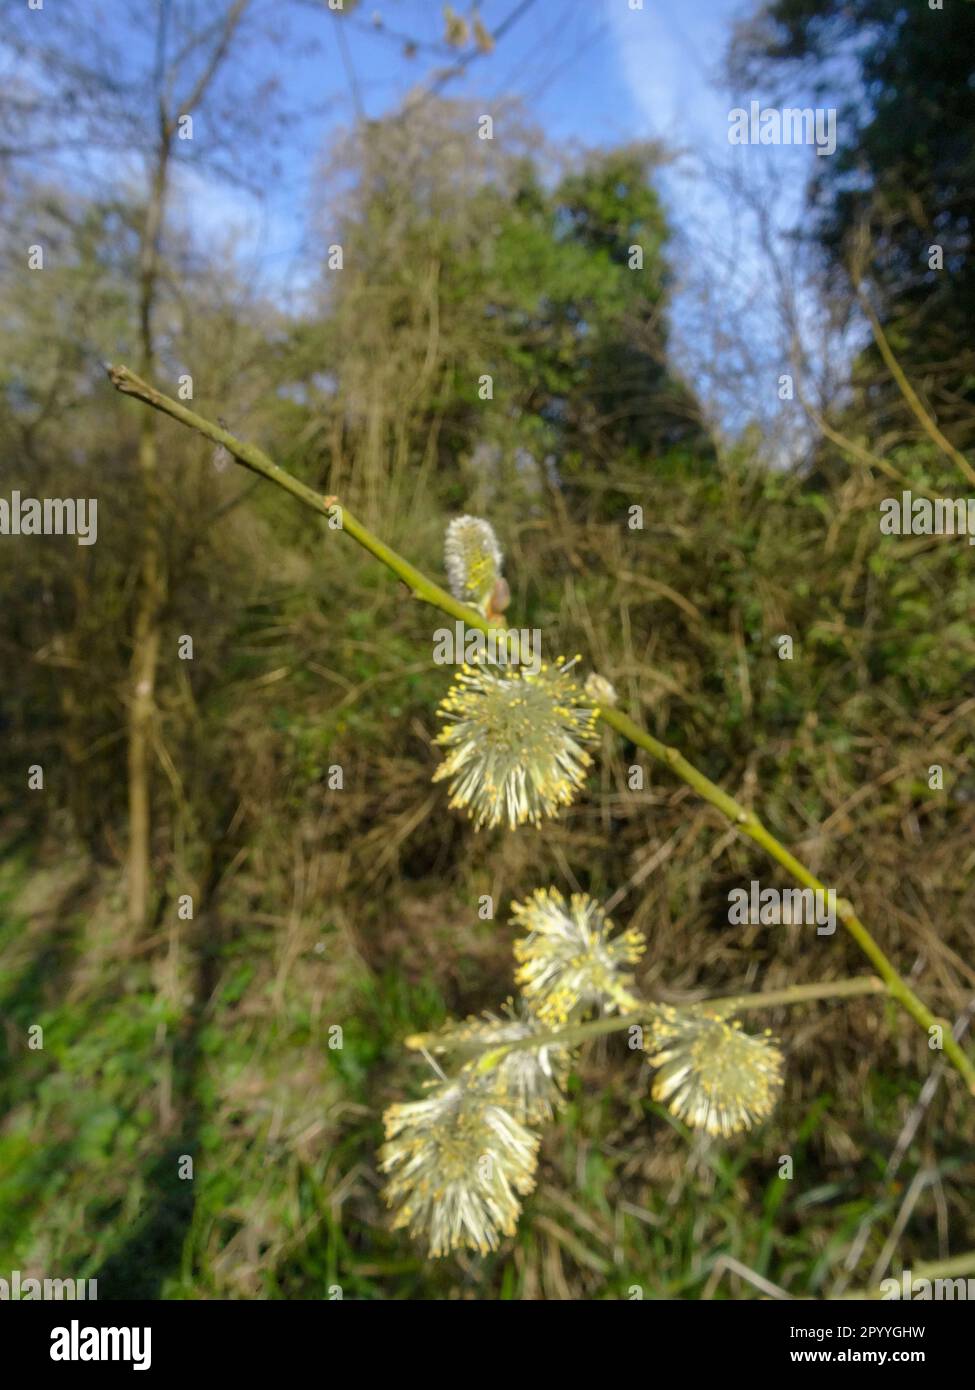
(491, 267)
(358, 907)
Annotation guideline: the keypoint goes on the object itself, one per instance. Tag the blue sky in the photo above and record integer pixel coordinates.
(590, 73)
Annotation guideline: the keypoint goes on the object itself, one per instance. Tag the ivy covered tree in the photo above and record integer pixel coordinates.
(500, 280)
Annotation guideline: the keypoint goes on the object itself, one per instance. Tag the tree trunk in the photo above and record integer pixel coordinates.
(152, 586)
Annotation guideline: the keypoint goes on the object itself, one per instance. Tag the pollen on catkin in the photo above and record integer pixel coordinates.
(569, 961)
(458, 1164)
(528, 1081)
(516, 742)
(712, 1075)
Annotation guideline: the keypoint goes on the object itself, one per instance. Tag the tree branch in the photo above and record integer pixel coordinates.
(726, 1007)
(910, 395)
(423, 588)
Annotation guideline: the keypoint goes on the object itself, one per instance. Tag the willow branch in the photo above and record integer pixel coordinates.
(258, 462)
(749, 824)
(725, 1007)
(425, 589)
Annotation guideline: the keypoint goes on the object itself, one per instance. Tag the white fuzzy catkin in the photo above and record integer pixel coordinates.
(472, 559)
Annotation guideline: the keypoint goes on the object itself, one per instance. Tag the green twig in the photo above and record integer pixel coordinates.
(726, 1006)
(425, 589)
(749, 824)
